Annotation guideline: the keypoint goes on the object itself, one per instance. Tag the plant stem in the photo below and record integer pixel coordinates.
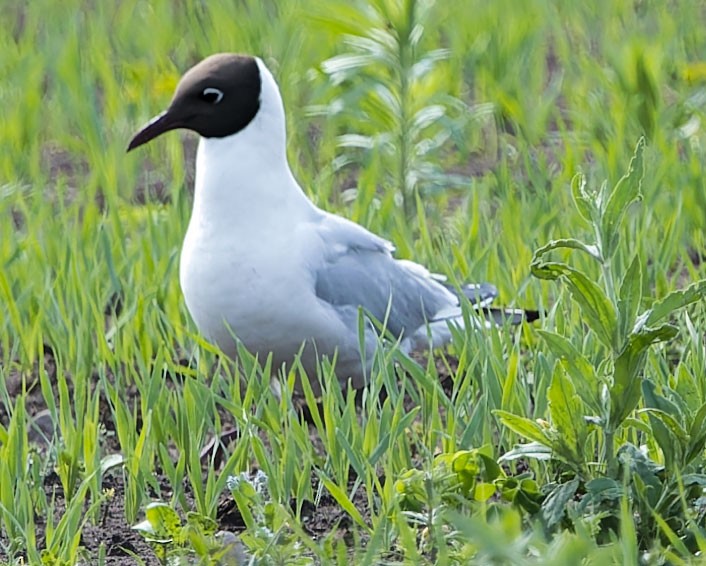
(609, 452)
(609, 285)
(404, 43)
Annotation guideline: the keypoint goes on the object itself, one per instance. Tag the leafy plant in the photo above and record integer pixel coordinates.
(466, 475)
(269, 535)
(391, 88)
(173, 541)
(598, 397)
(460, 482)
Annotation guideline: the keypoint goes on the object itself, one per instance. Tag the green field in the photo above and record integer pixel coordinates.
(472, 134)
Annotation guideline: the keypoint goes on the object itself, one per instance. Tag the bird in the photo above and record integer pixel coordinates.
(263, 266)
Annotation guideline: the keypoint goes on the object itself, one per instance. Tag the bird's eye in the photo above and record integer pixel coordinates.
(212, 95)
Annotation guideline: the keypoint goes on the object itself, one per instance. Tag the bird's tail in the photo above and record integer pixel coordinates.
(482, 295)
(437, 332)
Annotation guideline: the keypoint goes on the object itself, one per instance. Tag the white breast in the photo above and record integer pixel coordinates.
(250, 253)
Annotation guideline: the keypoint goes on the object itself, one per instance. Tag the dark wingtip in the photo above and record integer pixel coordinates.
(532, 315)
(503, 316)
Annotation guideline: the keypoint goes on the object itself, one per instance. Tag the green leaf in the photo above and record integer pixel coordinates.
(567, 417)
(554, 506)
(523, 426)
(676, 300)
(644, 469)
(533, 450)
(630, 297)
(688, 387)
(602, 489)
(697, 436)
(689, 480)
(483, 491)
(626, 191)
(625, 391)
(567, 243)
(578, 367)
(163, 519)
(598, 312)
(527, 501)
(491, 468)
(203, 524)
(585, 202)
(670, 436)
(657, 401)
(346, 63)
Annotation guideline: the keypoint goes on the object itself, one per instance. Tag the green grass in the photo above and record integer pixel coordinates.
(532, 94)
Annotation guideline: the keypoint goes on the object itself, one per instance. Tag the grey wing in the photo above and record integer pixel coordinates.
(361, 272)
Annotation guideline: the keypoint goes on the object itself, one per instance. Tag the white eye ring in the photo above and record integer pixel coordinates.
(217, 92)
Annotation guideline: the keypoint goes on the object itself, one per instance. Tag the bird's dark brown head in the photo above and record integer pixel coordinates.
(216, 98)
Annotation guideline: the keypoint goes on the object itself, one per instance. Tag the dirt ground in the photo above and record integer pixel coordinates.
(112, 530)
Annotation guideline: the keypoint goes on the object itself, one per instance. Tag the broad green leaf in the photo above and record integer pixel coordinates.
(244, 505)
(666, 435)
(492, 469)
(598, 312)
(523, 426)
(698, 424)
(626, 191)
(697, 436)
(534, 450)
(625, 391)
(630, 296)
(554, 506)
(688, 388)
(578, 367)
(669, 434)
(688, 480)
(646, 491)
(483, 491)
(529, 486)
(602, 489)
(164, 520)
(676, 300)
(567, 416)
(646, 469)
(656, 401)
(528, 502)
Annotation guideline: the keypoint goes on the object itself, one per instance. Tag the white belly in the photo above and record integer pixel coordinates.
(234, 293)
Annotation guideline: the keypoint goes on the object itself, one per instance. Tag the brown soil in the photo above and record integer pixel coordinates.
(112, 530)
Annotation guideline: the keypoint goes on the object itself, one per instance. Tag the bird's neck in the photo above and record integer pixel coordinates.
(243, 182)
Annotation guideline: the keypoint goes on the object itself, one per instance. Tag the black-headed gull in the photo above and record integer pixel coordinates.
(262, 263)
